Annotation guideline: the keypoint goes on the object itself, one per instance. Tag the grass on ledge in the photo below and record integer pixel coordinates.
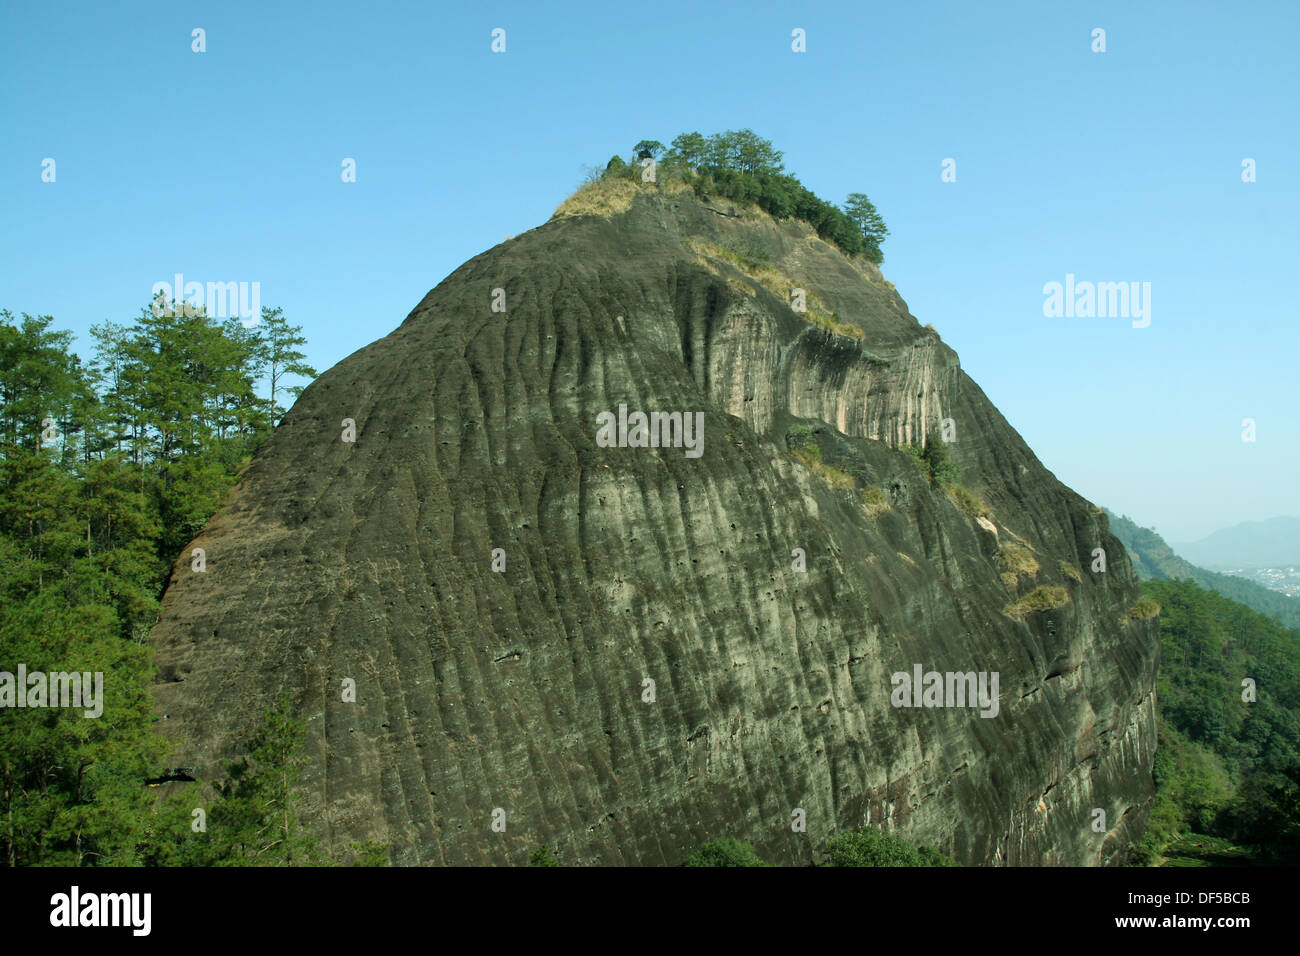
(1143, 610)
(839, 480)
(874, 500)
(1014, 559)
(967, 501)
(1039, 599)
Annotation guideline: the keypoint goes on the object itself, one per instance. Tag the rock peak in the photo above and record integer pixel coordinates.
(630, 649)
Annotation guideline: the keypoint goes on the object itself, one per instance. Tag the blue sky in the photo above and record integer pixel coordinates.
(1115, 166)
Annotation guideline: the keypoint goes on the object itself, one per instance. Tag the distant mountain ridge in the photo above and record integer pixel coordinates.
(1152, 557)
(1274, 543)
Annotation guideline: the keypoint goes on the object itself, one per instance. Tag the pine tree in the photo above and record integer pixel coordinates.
(72, 787)
(256, 821)
(279, 352)
(40, 383)
(943, 470)
(147, 440)
(863, 213)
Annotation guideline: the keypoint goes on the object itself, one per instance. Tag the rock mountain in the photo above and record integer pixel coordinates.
(527, 689)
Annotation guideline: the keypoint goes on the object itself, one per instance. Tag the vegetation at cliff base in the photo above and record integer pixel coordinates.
(542, 856)
(725, 852)
(1227, 768)
(865, 846)
(869, 846)
(108, 468)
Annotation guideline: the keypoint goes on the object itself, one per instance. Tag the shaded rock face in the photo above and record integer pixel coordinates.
(525, 689)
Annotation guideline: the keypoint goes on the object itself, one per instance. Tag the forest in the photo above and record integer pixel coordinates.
(1228, 761)
(108, 468)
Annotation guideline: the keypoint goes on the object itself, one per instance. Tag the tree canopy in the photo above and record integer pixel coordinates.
(741, 165)
(1227, 767)
(107, 470)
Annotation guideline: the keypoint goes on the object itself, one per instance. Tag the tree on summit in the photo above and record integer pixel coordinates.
(690, 149)
(748, 152)
(647, 149)
(742, 151)
(741, 165)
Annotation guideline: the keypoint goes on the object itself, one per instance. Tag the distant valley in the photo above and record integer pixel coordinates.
(1286, 580)
(1274, 543)
(1272, 591)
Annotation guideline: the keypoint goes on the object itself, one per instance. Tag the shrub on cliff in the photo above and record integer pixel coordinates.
(542, 857)
(868, 846)
(915, 453)
(1144, 609)
(1043, 598)
(933, 461)
(943, 470)
(874, 500)
(725, 852)
(799, 439)
(968, 501)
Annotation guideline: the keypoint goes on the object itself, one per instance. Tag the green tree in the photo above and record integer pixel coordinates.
(862, 212)
(652, 147)
(279, 352)
(868, 846)
(41, 383)
(615, 167)
(689, 149)
(72, 787)
(542, 857)
(743, 166)
(744, 151)
(148, 439)
(943, 470)
(725, 851)
(800, 440)
(256, 820)
(931, 856)
(1224, 767)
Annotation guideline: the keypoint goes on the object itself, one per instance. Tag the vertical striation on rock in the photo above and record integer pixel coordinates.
(523, 690)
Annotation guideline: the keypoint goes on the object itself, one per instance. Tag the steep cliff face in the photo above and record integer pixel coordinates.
(525, 689)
